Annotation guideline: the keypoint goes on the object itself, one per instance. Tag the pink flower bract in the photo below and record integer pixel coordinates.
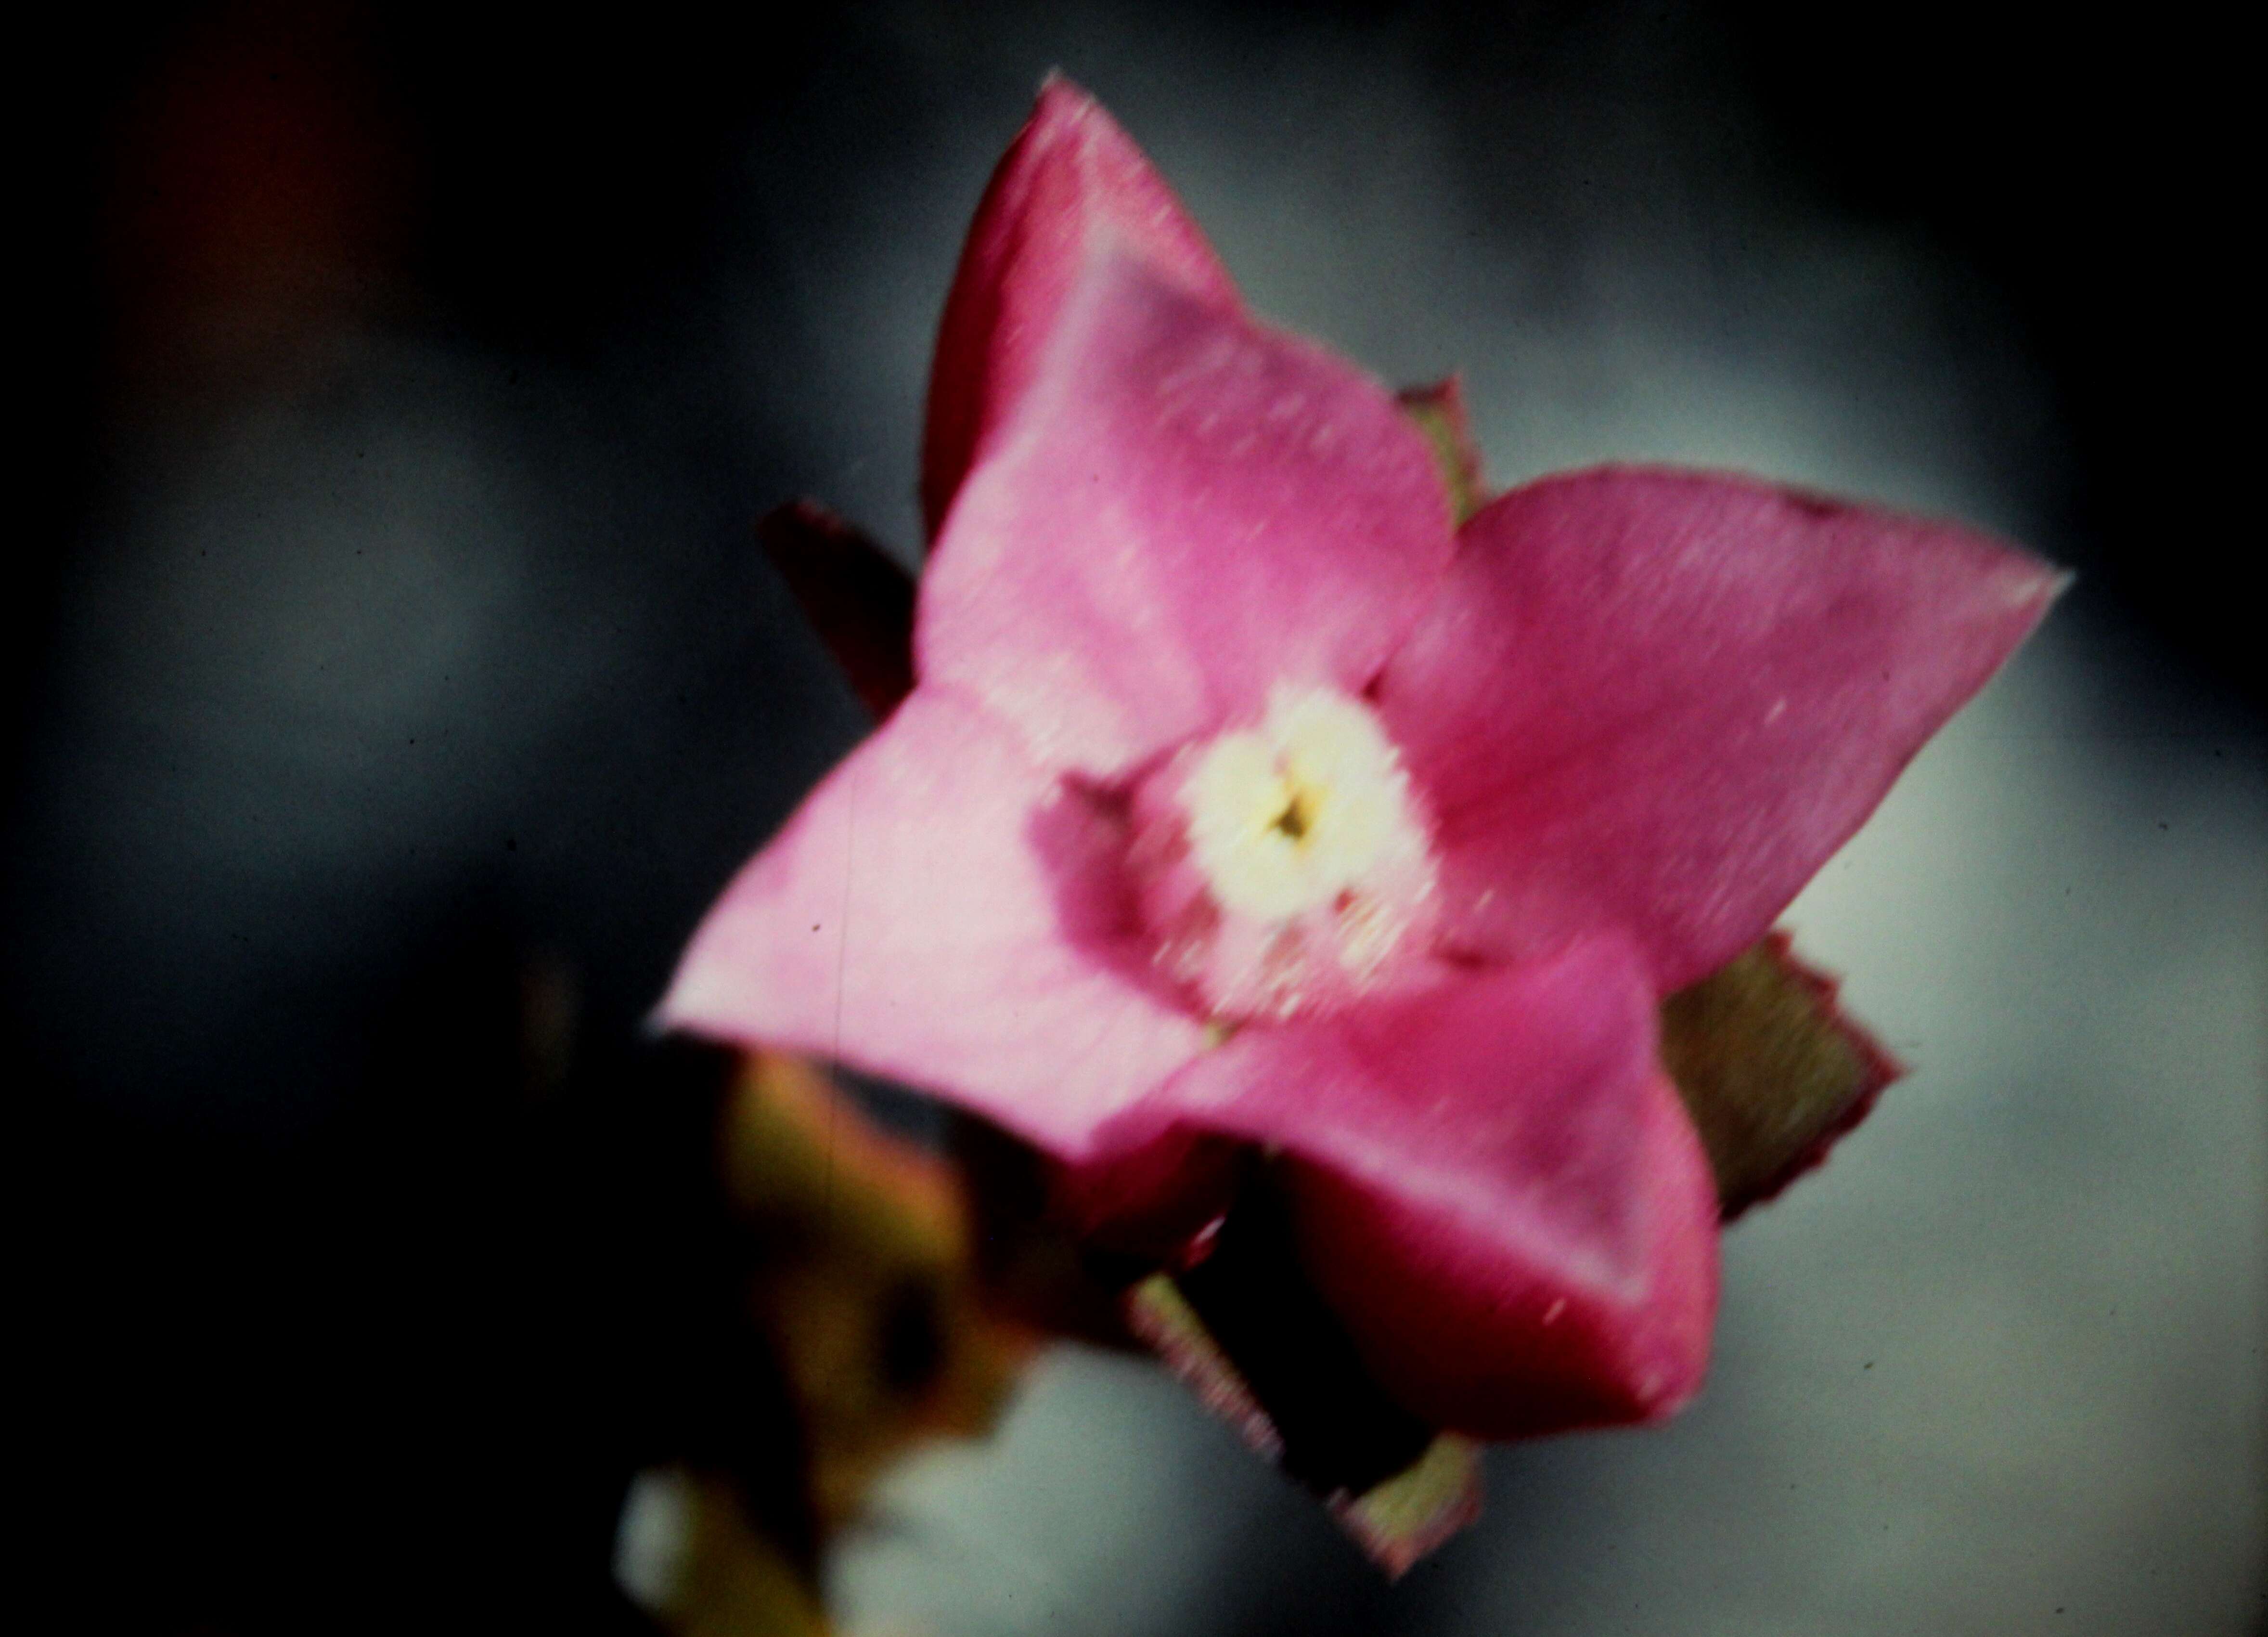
(1242, 795)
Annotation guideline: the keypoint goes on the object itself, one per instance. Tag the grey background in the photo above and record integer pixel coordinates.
(438, 629)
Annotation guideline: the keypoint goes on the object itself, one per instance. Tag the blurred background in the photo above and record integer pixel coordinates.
(391, 681)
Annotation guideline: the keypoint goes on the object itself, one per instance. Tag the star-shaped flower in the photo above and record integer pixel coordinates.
(1243, 795)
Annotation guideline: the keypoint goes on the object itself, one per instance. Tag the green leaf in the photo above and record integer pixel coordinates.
(861, 1279)
(1771, 1069)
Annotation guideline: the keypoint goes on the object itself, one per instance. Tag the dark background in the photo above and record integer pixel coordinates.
(388, 646)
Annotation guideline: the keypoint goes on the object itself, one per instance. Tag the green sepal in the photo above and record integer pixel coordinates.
(1771, 1070)
(1439, 411)
(1396, 1519)
(1241, 1325)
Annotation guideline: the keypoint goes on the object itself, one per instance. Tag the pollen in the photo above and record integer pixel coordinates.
(1301, 810)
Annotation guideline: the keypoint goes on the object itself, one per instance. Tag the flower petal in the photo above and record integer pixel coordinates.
(921, 917)
(1660, 699)
(1188, 510)
(1495, 1187)
(1072, 185)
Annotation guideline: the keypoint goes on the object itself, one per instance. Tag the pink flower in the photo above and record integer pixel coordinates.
(1240, 795)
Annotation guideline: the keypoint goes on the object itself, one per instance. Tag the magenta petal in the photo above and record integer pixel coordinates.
(909, 922)
(1495, 1188)
(1188, 510)
(1660, 699)
(1072, 185)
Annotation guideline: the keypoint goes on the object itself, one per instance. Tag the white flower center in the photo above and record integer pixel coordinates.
(1286, 817)
(1285, 869)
